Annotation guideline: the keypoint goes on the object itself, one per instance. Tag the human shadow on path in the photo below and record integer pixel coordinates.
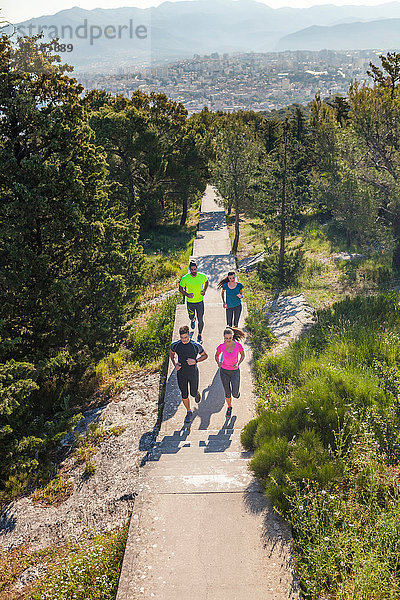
(212, 401)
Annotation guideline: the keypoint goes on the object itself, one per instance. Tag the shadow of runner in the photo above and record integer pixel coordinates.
(212, 401)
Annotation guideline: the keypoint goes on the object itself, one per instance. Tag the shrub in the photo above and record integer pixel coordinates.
(150, 342)
(91, 572)
(275, 276)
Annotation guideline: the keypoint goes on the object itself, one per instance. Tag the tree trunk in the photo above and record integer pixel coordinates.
(184, 209)
(236, 239)
(132, 197)
(283, 210)
(348, 238)
(396, 255)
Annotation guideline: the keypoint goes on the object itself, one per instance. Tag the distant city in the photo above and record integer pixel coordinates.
(250, 81)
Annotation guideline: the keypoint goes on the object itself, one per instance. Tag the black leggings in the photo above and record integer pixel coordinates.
(186, 379)
(231, 382)
(233, 314)
(194, 308)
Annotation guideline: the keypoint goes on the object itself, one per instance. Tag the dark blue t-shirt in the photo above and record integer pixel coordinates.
(184, 351)
(231, 295)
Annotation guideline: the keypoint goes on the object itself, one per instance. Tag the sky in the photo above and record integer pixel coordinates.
(21, 10)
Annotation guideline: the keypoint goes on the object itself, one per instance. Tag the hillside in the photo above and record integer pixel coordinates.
(176, 30)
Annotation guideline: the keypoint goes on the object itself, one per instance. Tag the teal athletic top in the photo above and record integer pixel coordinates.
(231, 295)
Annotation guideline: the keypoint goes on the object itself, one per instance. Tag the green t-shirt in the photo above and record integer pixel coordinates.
(194, 285)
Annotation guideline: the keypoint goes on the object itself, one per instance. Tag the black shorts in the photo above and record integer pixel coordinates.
(188, 379)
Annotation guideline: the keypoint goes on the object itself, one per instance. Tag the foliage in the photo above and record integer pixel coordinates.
(236, 158)
(55, 492)
(150, 342)
(274, 275)
(90, 572)
(153, 152)
(327, 447)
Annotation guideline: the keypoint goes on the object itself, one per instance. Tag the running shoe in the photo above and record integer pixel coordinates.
(197, 398)
(193, 323)
(189, 416)
(199, 339)
(229, 411)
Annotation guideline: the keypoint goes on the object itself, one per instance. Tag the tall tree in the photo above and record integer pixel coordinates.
(235, 166)
(285, 191)
(375, 120)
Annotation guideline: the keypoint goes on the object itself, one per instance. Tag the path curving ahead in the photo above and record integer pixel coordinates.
(201, 528)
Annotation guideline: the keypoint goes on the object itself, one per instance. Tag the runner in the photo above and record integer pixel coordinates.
(228, 356)
(186, 367)
(232, 294)
(193, 285)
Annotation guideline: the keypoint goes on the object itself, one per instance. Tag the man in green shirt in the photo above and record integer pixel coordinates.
(193, 286)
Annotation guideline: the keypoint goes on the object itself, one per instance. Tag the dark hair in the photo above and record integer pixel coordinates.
(225, 279)
(192, 263)
(183, 329)
(237, 333)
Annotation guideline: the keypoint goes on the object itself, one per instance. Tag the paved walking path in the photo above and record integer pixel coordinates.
(201, 527)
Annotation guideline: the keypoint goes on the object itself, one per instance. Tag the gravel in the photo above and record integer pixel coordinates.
(105, 500)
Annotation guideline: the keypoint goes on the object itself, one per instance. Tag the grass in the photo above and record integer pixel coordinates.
(327, 446)
(88, 570)
(54, 493)
(167, 251)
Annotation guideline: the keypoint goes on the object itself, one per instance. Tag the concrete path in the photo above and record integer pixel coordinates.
(201, 527)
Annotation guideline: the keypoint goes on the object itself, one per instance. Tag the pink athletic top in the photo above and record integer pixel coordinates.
(230, 358)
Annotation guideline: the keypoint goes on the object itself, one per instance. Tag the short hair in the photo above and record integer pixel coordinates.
(183, 329)
(192, 263)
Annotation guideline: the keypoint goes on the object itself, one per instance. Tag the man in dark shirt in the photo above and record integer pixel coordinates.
(187, 372)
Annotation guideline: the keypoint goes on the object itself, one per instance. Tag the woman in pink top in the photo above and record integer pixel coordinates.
(228, 356)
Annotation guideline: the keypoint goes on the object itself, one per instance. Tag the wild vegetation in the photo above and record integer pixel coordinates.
(99, 197)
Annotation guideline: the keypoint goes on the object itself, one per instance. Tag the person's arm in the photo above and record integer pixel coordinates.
(203, 356)
(184, 292)
(241, 359)
(240, 294)
(193, 361)
(176, 364)
(223, 298)
(203, 291)
(217, 355)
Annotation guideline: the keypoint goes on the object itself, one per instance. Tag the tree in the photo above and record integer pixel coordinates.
(375, 120)
(71, 262)
(285, 189)
(68, 253)
(234, 169)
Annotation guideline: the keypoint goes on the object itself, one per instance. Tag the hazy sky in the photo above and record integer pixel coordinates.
(20, 10)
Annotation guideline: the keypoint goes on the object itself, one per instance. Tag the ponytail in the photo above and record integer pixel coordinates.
(237, 333)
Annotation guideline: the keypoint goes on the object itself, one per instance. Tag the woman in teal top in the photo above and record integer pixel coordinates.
(231, 298)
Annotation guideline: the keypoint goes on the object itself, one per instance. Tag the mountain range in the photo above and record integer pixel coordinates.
(177, 30)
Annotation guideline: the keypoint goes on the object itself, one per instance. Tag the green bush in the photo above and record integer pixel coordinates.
(152, 341)
(327, 448)
(91, 572)
(275, 276)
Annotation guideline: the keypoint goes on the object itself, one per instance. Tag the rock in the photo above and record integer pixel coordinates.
(289, 317)
(160, 298)
(250, 262)
(30, 575)
(347, 256)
